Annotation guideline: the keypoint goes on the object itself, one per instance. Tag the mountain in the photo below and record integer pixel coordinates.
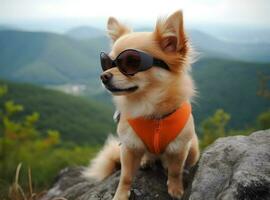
(53, 59)
(237, 34)
(47, 58)
(78, 119)
(101, 43)
(85, 32)
(209, 46)
(7, 27)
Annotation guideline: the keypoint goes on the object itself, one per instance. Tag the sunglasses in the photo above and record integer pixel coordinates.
(131, 61)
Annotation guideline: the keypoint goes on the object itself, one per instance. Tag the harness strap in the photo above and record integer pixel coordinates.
(157, 134)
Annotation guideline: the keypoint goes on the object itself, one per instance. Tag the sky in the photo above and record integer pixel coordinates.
(234, 12)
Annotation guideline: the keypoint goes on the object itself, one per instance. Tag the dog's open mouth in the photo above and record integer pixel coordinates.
(115, 89)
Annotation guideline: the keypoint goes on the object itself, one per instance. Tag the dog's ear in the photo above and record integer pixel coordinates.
(170, 33)
(116, 29)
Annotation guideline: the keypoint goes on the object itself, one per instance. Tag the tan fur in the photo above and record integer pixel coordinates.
(106, 161)
(159, 92)
(116, 29)
(194, 152)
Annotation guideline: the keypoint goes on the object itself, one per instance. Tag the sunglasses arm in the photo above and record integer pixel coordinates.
(160, 63)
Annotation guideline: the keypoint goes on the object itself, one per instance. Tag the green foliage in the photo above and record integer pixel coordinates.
(3, 90)
(232, 86)
(214, 127)
(22, 142)
(264, 120)
(78, 119)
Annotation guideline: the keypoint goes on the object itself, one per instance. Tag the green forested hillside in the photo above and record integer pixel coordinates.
(47, 58)
(77, 119)
(232, 86)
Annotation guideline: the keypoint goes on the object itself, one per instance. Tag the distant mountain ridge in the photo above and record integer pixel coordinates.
(209, 46)
(85, 32)
(49, 58)
(7, 27)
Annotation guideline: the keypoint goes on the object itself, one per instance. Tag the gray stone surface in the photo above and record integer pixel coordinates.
(233, 168)
(149, 184)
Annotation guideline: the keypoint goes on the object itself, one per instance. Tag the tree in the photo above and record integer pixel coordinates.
(263, 90)
(214, 127)
(20, 141)
(264, 120)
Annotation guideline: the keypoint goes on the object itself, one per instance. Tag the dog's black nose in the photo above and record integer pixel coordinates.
(106, 77)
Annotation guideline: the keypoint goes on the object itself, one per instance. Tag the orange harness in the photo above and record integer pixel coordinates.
(157, 134)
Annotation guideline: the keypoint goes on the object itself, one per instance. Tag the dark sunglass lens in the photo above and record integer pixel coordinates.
(129, 62)
(105, 61)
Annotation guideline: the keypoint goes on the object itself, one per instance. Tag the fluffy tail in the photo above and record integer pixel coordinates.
(106, 162)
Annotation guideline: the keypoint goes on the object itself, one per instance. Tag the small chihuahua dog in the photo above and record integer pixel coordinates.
(148, 76)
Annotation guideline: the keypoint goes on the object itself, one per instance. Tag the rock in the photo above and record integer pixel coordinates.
(149, 184)
(233, 168)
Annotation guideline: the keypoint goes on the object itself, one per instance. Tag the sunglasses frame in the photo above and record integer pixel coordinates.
(146, 62)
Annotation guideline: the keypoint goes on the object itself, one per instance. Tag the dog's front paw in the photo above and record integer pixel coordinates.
(175, 190)
(147, 162)
(121, 196)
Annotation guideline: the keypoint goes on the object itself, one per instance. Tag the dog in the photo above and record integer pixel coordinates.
(148, 75)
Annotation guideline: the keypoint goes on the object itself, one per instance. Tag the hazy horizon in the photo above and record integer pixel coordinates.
(241, 21)
(142, 13)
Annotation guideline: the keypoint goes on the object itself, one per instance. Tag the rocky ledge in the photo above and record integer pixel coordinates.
(232, 168)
